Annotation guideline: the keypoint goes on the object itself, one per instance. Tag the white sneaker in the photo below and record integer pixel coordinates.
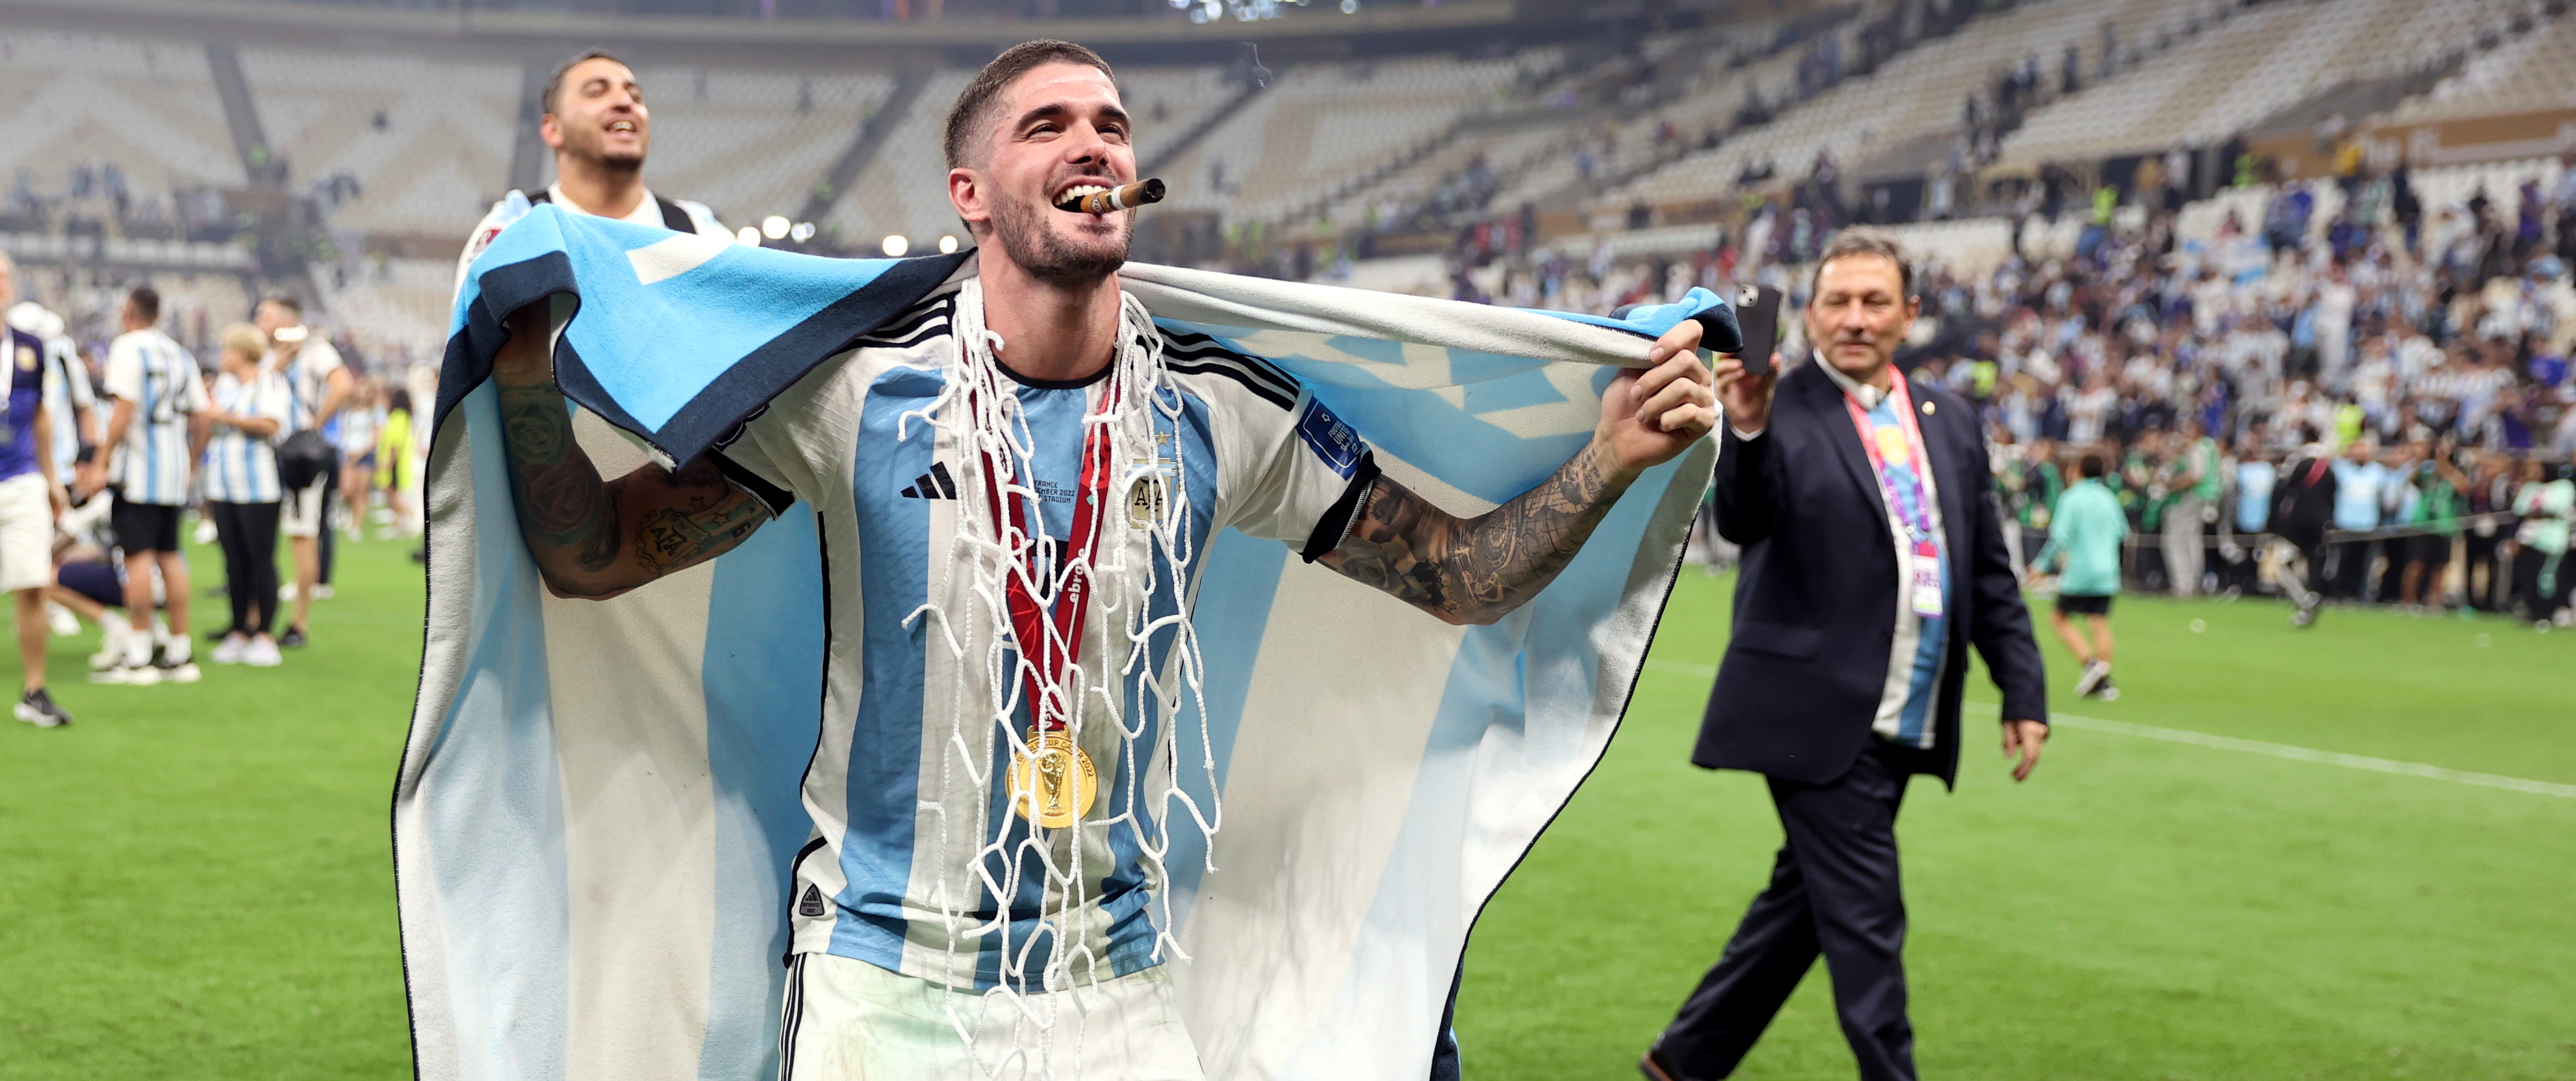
(206, 531)
(286, 592)
(180, 672)
(322, 591)
(229, 651)
(2094, 673)
(263, 653)
(61, 620)
(132, 675)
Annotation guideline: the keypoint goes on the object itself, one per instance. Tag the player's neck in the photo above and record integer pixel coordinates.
(594, 188)
(1050, 331)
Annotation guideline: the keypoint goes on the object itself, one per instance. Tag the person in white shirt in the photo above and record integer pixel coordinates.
(319, 384)
(238, 483)
(68, 396)
(156, 388)
(596, 122)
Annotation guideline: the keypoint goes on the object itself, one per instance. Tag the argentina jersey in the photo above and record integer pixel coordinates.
(159, 376)
(919, 864)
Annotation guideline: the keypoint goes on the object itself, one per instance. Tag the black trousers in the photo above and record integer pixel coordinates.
(2537, 605)
(2351, 571)
(1834, 890)
(2483, 574)
(248, 532)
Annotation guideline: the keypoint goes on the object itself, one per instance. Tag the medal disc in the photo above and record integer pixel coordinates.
(1054, 784)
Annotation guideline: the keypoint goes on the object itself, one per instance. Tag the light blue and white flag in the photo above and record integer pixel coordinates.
(599, 800)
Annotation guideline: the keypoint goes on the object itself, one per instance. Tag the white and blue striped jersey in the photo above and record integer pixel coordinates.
(308, 377)
(240, 467)
(1253, 451)
(160, 377)
(67, 389)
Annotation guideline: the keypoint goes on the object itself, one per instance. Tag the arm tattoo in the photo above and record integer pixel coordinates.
(1476, 570)
(709, 517)
(565, 509)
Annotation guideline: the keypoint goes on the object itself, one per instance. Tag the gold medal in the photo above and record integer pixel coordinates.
(1064, 784)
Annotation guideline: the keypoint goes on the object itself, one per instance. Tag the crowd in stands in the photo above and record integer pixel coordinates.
(2420, 359)
(279, 435)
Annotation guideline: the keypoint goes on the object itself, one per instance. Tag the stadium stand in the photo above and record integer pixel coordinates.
(2263, 60)
(74, 105)
(422, 146)
(2528, 72)
(752, 143)
(1916, 94)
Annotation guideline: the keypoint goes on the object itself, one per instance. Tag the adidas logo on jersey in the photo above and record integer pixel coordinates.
(932, 485)
(811, 905)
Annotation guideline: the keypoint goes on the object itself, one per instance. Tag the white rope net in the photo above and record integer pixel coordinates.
(1113, 693)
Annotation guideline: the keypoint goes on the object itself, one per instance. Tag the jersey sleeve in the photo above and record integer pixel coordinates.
(125, 370)
(192, 393)
(792, 448)
(1294, 474)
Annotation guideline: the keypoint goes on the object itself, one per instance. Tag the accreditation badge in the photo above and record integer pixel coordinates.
(26, 358)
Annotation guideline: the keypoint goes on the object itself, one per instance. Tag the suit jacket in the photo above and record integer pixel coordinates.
(1815, 605)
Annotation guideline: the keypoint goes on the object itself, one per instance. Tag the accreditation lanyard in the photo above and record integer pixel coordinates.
(1905, 496)
(1048, 640)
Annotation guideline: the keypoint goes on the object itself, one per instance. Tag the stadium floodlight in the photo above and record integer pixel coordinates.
(774, 227)
(803, 231)
(947, 245)
(895, 246)
(748, 235)
(1350, 7)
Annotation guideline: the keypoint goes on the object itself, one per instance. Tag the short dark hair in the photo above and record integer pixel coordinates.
(976, 101)
(554, 82)
(284, 301)
(147, 303)
(2090, 466)
(1851, 243)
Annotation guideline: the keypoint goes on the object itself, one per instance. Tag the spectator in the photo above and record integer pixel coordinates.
(2084, 551)
(2540, 577)
(2359, 483)
(2197, 482)
(239, 485)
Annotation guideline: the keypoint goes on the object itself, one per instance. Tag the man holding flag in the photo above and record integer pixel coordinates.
(1012, 485)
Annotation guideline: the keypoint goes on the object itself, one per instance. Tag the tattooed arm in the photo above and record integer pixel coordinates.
(1477, 570)
(592, 537)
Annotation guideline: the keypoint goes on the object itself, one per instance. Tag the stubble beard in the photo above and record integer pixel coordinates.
(1021, 230)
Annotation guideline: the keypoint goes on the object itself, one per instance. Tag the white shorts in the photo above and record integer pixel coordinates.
(26, 534)
(302, 514)
(846, 1020)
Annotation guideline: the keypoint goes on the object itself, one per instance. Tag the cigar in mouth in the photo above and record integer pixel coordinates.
(1125, 197)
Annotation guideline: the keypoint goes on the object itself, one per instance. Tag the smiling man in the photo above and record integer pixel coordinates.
(1873, 559)
(595, 119)
(1013, 485)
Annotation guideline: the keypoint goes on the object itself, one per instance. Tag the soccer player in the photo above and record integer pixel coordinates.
(320, 384)
(30, 499)
(2084, 551)
(156, 389)
(980, 428)
(2303, 506)
(597, 124)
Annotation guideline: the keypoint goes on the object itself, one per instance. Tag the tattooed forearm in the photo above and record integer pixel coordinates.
(567, 514)
(1476, 570)
(597, 538)
(712, 516)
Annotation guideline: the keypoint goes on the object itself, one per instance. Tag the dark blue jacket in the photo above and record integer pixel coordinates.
(1815, 606)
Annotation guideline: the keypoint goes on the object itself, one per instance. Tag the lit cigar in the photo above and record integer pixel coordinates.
(1128, 197)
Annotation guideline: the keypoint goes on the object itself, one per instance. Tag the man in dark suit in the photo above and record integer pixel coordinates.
(1873, 558)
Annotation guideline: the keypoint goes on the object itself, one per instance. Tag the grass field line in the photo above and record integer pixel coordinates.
(2249, 746)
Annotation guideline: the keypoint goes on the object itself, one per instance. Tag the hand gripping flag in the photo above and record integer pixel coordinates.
(599, 800)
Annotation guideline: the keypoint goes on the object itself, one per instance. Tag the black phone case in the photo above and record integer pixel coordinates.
(1757, 311)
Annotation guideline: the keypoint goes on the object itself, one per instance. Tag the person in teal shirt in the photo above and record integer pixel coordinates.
(2084, 550)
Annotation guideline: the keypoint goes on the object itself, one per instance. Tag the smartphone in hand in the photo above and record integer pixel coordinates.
(1757, 313)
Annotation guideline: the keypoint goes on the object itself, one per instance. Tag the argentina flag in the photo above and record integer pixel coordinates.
(599, 802)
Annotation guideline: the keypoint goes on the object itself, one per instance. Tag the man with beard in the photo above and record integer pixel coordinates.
(963, 906)
(596, 121)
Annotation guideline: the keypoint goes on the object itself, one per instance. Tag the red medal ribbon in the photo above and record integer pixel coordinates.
(1049, 640)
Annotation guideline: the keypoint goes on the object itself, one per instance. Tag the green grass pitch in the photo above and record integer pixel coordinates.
(195, 882)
